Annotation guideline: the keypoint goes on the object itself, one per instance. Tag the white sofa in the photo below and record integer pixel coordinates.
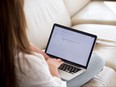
(94, 16)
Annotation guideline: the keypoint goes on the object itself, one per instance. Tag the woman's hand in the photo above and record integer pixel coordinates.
(53, 65)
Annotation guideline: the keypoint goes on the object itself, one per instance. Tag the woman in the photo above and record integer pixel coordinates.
(22, 67)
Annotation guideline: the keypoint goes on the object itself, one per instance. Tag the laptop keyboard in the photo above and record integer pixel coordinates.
(69, 68)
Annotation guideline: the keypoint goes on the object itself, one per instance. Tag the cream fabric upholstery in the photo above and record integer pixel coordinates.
(97, 12)
(106, 78)
(74, 6)
(40, 15)
(108, 54)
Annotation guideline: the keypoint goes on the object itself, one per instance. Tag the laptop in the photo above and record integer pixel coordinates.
(72, 46)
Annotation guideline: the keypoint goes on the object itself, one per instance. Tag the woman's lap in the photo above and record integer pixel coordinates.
(95, 66)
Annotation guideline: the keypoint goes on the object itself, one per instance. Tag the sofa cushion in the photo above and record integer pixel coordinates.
(74, 6)
(41, 15)
(97, 12)
(106, 78)
(107, 53)
(106, 33)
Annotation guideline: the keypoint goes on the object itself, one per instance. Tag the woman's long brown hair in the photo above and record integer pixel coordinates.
(12, 39)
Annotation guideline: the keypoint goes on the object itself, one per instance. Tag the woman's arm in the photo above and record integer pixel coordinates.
(52, 62)
(38, 73)
(36, 49)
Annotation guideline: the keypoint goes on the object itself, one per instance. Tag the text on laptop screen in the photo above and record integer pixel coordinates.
(71, 46)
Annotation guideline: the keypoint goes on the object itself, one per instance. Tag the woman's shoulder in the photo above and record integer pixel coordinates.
(30, 57)
(33, 60)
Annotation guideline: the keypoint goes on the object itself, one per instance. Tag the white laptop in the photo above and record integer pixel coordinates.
(72, 46)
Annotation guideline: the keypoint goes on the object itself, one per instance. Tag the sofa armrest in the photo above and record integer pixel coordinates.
(73, 6)
(96, 12)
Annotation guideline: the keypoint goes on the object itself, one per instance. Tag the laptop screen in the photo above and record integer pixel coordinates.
(71, 45)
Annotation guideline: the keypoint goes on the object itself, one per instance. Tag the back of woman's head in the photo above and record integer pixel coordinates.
(12, 39)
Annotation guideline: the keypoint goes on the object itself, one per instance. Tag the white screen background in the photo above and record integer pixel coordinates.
(71, 46)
